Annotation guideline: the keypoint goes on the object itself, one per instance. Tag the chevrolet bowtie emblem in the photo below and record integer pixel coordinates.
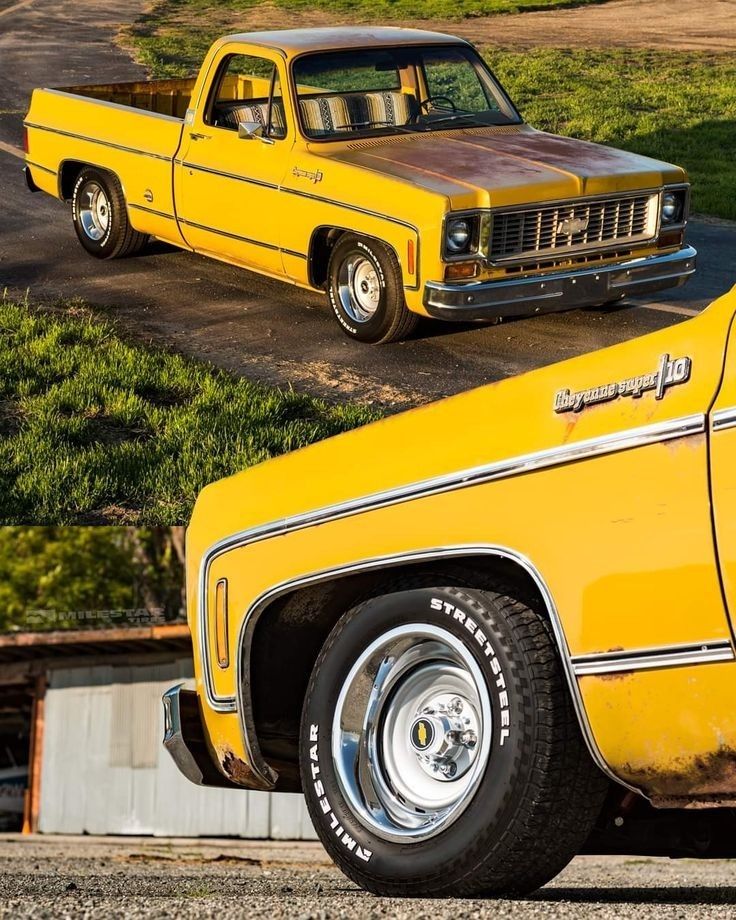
(572, 225)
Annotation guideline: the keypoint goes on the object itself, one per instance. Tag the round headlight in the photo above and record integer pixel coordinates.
(670, 207)
(458, 234)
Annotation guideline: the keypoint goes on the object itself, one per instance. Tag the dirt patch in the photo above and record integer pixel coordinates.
(663, 24)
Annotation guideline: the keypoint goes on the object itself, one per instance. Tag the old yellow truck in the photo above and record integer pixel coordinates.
(385, 166)
(490, 633)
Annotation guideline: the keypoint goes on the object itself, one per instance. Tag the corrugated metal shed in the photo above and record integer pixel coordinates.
(104, 770)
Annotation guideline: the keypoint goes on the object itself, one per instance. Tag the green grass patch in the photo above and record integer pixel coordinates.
(93, 428)
(675, 106)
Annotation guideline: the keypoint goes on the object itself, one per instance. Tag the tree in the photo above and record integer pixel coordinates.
(63, 577)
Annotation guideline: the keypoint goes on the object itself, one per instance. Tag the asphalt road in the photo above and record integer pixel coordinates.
(145, 877)
(238, 320)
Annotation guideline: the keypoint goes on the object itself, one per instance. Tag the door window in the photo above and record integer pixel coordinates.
(248, 89)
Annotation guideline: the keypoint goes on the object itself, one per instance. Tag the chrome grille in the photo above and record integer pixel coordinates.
(572, 226)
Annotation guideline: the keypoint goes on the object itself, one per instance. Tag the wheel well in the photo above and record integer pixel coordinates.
(292, 629)
(320, 248)
(68, 173)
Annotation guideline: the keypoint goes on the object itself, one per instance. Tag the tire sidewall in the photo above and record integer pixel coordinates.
(358, 849)
(102, 247)
(374, 329)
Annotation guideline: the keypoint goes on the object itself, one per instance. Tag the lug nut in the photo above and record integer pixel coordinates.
(455, 706)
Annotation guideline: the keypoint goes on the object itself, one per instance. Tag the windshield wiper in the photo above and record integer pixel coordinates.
(439, 121)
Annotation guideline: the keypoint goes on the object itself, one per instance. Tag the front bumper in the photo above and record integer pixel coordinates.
(184, 739)
(558, 290)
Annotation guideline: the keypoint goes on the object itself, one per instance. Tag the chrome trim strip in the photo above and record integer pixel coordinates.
(350, 207)
(45, 169)
(503, 469)
(259, 605)
(722, 419)
(140, 207)
(231, 236)
(225, 175)
(94, 140)
(645, 659)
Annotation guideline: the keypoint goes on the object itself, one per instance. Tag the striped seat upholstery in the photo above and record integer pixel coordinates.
(392, 107)
(231, 114)
(331, 114)
(326, 114)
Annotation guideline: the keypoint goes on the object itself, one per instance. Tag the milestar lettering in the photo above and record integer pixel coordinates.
(482, 639)
(324, 803)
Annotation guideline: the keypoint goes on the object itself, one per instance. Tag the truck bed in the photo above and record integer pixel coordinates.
(164, 97)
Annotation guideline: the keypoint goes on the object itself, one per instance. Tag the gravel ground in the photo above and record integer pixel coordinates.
(144, 877)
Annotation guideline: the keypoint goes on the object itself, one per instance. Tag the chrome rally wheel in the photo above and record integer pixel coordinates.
(365, 285)
(439, 750)
(359, 288)
(94, 211)
(411, 732)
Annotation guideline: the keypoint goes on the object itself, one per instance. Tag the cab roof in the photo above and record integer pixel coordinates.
(297, 41)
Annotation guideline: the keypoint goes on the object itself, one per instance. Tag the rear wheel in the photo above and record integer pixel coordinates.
(440, 753)
(365, 288)
(101, 217)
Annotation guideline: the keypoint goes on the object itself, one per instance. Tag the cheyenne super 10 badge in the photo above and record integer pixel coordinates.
(669, 373)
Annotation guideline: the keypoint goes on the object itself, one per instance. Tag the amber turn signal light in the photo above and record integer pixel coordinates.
(670, 238)
(461, 270)
(221, 630)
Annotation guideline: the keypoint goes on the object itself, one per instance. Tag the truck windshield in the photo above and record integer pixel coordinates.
(397, 90)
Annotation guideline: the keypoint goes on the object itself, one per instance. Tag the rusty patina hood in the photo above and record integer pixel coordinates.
(494, 167)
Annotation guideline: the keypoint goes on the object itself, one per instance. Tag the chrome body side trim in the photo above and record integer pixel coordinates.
(140, 207)
(94, 140)
(502, 469)
(51, 172)
(185, 164)
(646, 659)
(261, 603)
(558, 290)
(724, 418)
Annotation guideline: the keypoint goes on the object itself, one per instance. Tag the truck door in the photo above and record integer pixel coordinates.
(227, 186)
(723, 474)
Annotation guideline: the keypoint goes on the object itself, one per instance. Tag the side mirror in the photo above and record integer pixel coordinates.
(249, 130)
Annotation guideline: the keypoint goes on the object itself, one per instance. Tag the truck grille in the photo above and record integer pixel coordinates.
(573, 226)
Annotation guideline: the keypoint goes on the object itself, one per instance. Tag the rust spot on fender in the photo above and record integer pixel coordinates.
(238, 771)
(711, 777)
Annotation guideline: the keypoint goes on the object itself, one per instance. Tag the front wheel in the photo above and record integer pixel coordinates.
(440, 754)
(101, 217)
(365, 288)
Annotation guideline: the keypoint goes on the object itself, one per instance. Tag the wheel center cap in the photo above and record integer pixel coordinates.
(422, 734)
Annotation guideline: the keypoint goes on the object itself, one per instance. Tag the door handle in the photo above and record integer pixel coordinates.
(199, 137)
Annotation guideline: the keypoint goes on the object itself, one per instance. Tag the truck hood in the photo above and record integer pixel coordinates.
(500, 166)
(501, 425)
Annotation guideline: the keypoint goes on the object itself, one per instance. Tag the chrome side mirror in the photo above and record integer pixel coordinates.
(248, 130)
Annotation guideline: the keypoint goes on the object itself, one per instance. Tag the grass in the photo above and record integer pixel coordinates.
(95, 429)
(675, 106)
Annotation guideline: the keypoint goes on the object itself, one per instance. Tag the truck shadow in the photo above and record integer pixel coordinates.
(661, 895)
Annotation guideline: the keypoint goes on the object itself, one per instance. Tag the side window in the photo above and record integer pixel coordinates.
(449, 75)
(248, 90)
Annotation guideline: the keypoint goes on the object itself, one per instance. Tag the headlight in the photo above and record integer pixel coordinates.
(459, 232)
(673, 206)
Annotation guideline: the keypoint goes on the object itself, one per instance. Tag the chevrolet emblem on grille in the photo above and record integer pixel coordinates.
(572, 225)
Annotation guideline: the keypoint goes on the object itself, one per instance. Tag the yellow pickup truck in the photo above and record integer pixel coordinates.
(385, 166)
(490, 633)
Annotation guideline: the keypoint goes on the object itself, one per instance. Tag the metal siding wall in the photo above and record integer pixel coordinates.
(87, 729)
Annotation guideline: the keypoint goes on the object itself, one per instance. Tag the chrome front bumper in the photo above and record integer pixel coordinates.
(558, 290)
(184, 739)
